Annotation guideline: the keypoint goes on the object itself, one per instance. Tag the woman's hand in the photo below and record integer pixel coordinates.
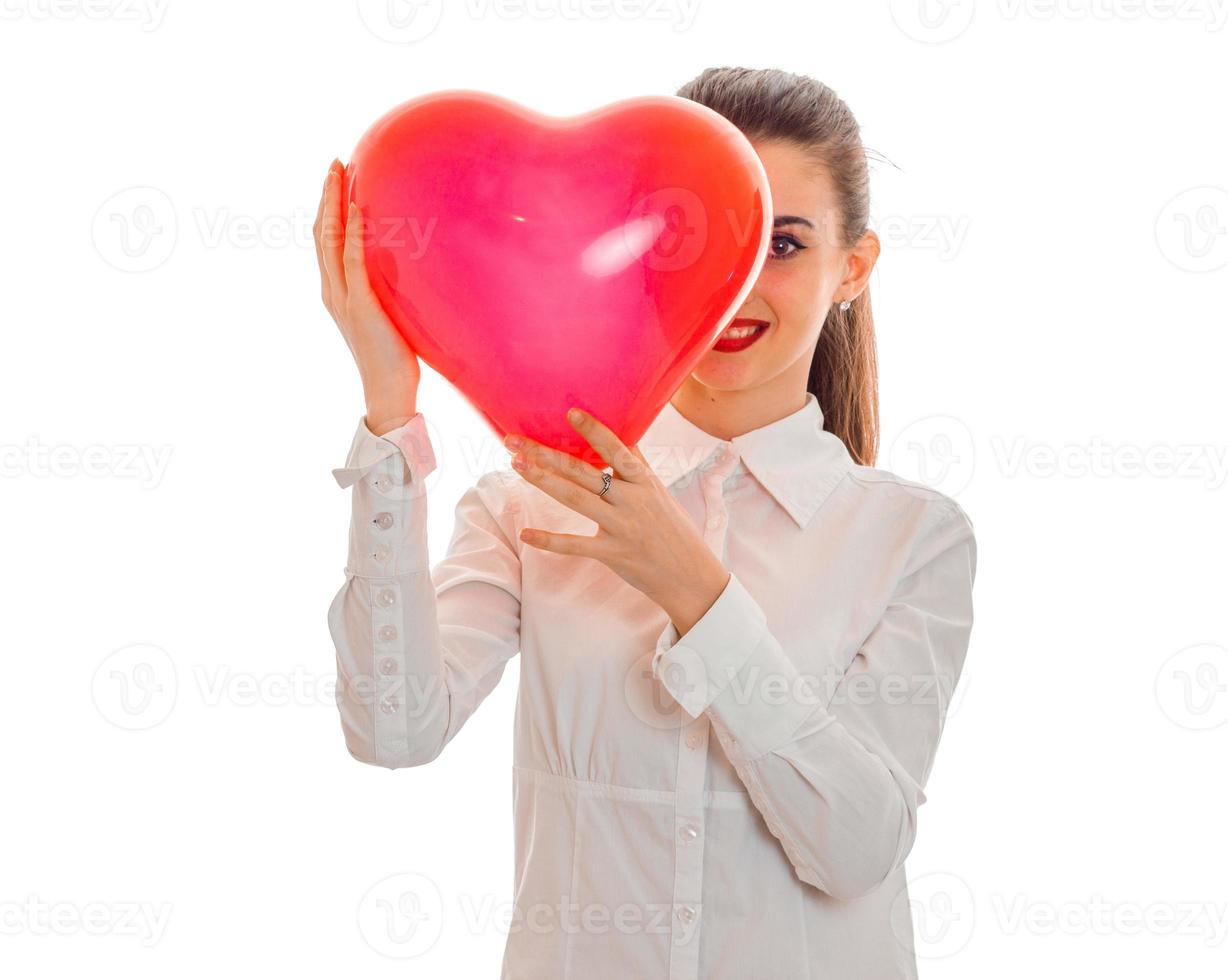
(643, 534)
(388, 365)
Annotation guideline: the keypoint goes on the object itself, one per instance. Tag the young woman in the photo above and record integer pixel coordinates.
(736, 654)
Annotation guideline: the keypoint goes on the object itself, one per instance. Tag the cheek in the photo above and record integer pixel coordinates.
(796, 297)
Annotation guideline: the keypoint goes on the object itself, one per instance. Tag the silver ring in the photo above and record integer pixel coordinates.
(606, 480)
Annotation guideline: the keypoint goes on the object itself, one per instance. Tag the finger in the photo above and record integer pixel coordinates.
(577, 470)
(640, 456)
(356, 283)
(563, 544)
(331, 236)
(566, 492)
(316, 230)
(627, 466)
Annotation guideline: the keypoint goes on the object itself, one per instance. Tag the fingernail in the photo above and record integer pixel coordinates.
(575, 415)
(513, 442)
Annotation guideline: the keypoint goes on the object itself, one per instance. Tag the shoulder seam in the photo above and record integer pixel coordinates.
(909, 486)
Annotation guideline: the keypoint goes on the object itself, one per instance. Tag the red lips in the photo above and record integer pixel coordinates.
(731, 345)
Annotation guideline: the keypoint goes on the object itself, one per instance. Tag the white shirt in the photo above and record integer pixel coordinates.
(732, 804)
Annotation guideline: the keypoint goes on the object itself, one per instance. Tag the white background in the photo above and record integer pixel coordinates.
(177, 797)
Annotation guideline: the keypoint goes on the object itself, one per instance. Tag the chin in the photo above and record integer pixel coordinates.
(719, 371)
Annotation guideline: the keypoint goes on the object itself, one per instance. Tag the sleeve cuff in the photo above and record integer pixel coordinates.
(388, 500)
(697, 667)
(367, 451)
(730, 665)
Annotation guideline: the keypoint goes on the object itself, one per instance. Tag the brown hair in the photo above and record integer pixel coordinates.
(769, 104)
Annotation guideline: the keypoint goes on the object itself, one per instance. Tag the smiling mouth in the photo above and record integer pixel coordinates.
(740, 334)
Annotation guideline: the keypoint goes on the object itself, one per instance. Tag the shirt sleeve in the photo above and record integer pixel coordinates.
(837, 778)
(418, 649)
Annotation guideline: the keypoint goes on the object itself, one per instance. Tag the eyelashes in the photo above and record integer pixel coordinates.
(797, 249)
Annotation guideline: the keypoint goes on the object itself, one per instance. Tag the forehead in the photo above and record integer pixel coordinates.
(799, 186)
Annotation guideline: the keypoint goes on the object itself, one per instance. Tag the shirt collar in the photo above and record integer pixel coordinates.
(795, 459)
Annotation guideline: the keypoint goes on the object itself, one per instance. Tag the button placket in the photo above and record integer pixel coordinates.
(716, 518)
(689, 816)
(689, 835)
(387, 682)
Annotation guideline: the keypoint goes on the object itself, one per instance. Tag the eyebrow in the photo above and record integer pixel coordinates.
(790, 219)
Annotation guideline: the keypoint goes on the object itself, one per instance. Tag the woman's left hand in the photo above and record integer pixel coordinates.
(643, 534)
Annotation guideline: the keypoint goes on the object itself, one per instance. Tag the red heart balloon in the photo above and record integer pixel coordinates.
(539, 262)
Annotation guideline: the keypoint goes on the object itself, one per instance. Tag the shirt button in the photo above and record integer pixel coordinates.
(389, 706)
(715, 521)
(386, 597)
(687, 833)
(381, 483)
(383, 520)
(693, 740)
(686, 913)
(387, 633)
(388, 666)
(382, 553)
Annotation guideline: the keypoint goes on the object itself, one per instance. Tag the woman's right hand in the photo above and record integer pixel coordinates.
(388, 365)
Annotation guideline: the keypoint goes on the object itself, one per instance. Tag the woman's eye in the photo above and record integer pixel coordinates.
(785, 240)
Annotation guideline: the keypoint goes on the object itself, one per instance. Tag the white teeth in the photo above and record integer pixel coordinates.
(733, 333)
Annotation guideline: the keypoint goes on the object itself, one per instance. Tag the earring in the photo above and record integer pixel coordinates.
(845, 305)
